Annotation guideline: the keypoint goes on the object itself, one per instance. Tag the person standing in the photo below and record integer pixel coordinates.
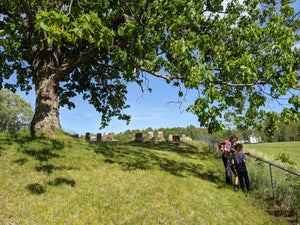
(233, 169)
(239, 160)
(225, 147)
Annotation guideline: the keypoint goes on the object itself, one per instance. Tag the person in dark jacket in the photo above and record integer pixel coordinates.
(240, 160)
(233, 169)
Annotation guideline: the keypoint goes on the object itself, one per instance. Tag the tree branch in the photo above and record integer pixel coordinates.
(70, 8)
(10, 14)
(124, 19)
(29, 14)
(168, 78)
(69, 65)
(239, 85)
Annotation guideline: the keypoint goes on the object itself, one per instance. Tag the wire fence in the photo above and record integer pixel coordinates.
(285, 183)
(212, 144)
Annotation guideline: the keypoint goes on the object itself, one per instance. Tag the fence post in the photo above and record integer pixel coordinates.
(272, 180)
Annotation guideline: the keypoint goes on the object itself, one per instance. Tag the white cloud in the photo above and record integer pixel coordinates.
(153, 117)
(89, 115)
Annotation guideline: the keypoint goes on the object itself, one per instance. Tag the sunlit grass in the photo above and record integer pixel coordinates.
(271, 152)
(59, 179)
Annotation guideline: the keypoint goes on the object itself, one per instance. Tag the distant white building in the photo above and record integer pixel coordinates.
(93, 138)
(253, 138)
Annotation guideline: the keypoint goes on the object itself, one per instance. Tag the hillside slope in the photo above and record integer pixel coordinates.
(64, 180)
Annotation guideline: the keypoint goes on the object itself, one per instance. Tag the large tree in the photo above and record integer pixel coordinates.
(237, 54)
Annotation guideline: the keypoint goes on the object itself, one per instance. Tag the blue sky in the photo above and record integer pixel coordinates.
(147, 110)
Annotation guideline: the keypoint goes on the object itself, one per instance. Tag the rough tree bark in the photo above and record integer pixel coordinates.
(46, 116)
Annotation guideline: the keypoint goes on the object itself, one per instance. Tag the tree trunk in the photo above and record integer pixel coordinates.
(46, 116)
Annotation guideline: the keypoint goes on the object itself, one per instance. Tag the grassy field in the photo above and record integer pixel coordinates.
(64, 180)
(282, 188)
(271, 152)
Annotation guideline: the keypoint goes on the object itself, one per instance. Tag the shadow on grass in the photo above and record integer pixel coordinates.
(36, 188)
(187, 160)
(21, 161)
(42, 148)
(49, 168)
(39, 146)
(61, 180)
(41, 154)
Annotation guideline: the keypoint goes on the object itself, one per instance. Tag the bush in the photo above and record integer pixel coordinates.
(285, 158)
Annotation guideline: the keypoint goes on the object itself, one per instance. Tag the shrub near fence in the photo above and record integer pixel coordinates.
(275, 183)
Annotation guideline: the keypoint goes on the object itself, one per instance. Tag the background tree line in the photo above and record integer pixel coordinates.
(285, 132)
(15, 112)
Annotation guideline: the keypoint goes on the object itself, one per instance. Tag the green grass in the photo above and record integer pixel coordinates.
(64, 180)
(271, 152)
(283, 196)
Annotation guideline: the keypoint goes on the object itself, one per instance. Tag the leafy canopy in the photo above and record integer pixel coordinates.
(239, 55)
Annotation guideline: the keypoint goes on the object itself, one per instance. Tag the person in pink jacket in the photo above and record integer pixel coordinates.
(225, 147)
